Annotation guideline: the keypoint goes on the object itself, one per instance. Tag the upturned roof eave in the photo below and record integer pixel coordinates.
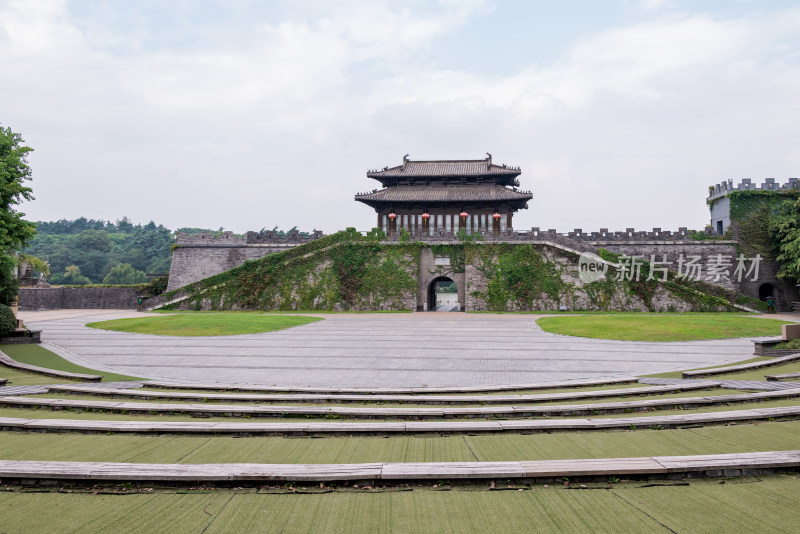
(520, 202)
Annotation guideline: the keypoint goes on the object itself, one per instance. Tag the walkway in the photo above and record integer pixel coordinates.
(375, 350)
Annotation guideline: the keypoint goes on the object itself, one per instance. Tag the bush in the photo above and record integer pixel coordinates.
(8, 323)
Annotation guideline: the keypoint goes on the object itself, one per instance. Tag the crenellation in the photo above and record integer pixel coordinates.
(747, 184)
(207, 238)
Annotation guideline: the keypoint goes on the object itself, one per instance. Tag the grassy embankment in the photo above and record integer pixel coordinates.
(658, 327)
(212, 324)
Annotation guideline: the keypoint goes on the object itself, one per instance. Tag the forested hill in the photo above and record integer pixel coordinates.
(87, 251)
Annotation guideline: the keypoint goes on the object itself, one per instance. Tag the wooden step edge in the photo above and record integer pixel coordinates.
(510, 411)
(655, 422)
(373, 391)
(743, 367)
(720, 465)
(412, 399)
(14, 364)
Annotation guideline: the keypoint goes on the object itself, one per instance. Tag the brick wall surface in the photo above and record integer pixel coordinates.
(56, 298)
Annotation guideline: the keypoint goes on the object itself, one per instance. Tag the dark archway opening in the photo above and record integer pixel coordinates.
(766, 290)
(443, 295)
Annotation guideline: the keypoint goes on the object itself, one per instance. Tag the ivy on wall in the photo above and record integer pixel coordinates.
(349, 271)
(518, 277)
(343, 271)
(751, 212)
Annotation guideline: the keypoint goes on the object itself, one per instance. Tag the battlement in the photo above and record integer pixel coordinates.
(271, 237)
(769, 184)
(266, 237)
(578, 238)
(209, 238)
(630, 234)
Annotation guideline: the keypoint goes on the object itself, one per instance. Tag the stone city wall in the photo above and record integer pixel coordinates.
(202, 255)
(198, 256)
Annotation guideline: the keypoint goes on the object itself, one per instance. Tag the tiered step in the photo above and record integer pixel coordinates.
(386, 428)
(584, 383)
(14, 364)
(796, 306)
(397, 399)
(729, 465)
(412, 413)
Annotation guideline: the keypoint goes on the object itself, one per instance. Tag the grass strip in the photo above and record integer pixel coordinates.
(16, 377)
(40, 356)
(746, 437)
(655, 327)
(212, 324)
(761, 505)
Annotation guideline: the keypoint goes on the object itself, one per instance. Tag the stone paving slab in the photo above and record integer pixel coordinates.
(376, 350)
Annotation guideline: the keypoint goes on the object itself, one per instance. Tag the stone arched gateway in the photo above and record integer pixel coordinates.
(432, 269)
(440, 301)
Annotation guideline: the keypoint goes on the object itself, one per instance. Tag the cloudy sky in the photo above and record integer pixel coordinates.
(248, 114)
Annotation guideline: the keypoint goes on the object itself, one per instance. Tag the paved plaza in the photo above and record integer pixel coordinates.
(374, 350)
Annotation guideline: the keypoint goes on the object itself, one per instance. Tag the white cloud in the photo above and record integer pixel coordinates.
(275, 121)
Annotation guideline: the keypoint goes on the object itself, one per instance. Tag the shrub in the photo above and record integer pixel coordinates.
(8, 323)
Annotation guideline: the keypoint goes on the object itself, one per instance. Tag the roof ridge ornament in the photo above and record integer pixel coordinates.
(488, 160)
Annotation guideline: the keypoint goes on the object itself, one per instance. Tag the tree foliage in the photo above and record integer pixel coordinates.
(72, 276)
(97, 247)
(8, 323)
(124, 273)
(15, 231)
(785, 229)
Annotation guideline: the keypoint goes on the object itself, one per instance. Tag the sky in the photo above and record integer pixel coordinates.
(244, 115)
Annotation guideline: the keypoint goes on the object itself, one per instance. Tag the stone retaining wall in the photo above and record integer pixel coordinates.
(57, 298)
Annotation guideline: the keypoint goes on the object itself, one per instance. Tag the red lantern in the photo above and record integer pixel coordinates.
(393, 216)
(464, 214)
(496, 216)
(426, 216)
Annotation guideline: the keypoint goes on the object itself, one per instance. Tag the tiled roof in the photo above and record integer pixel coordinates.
(445, 168)
(451, 193)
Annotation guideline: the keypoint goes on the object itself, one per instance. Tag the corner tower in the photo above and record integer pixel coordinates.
(441, 197)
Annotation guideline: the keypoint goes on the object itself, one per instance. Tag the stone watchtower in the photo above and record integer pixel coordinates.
(441, 197)
(719, 202)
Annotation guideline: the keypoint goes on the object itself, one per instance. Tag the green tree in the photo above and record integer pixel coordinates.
(785, 230)
(94, 240)
(124, 273)
(73, 276)
(15, 232)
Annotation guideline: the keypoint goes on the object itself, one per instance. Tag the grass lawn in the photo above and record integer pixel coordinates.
(21, 378)
(659, 327)
(719, 439)
(764, 504)
(211, 324)
(36, 355)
